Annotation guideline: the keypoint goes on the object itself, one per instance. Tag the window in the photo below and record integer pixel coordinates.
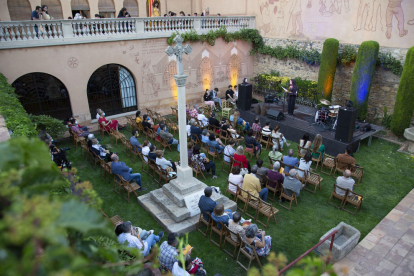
(81, 7)
(106, 8)
(54, 8)
(112, 88)
(42, 93)
(132, 7)
(19, 10)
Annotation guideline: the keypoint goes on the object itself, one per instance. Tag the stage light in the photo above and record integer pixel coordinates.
(244, 80)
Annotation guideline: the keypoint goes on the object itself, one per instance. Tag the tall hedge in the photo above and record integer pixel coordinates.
(328, 68)
(404, 103)
(363, 74)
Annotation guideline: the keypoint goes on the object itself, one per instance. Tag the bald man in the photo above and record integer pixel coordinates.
(345, 182)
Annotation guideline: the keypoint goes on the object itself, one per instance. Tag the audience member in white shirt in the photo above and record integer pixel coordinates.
(235, 178)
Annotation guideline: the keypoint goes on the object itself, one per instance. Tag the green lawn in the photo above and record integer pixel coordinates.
(387, 179)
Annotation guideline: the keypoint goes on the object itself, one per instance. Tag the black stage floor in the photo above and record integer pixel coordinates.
(293, 128)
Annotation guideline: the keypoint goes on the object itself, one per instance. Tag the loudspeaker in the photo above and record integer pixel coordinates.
(346, 124)
(245, 96)
(275, 115)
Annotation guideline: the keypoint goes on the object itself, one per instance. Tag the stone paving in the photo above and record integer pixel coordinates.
(388, 249)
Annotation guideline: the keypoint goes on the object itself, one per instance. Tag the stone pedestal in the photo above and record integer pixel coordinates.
(409, 135)
(168, 207)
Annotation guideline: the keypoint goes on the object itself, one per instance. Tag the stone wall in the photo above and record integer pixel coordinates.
(383, 90)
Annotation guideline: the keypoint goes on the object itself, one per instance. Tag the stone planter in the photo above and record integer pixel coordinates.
(409, 135)
(345, 240)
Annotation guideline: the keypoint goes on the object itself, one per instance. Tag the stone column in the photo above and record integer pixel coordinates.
(184, 172)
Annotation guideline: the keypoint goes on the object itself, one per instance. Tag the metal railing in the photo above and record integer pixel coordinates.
(332, 234)
(20, 34)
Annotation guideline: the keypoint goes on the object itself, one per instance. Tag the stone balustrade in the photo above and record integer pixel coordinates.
(22, 34)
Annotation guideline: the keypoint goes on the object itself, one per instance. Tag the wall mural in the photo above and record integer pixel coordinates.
(350, 21)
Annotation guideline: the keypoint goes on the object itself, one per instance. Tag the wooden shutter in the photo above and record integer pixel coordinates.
(106, 6)
(54, 8)
(132, 7)
(81, 5)
(19, 9)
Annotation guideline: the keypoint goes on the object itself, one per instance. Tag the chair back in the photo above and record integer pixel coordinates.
(277, 184)
(204, 214)
(227, 156)
(229, 234)
(346, 191)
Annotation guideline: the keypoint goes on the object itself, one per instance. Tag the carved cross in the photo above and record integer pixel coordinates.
(178, 50)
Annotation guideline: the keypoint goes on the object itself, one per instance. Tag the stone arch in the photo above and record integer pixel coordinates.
(132, 7)
(19, 10)
(54, 8)
(205, 72)
(107, 8)
(82, 7)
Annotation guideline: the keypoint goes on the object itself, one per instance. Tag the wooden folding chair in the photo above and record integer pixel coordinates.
(130, 122)
(145, 163)
(94, 160)
(214, 228)
(250, 150)
(242, 198)
(197, 169)
(315, 180)
(212, 129)
(107, 171)
(127, 147)
(357, 172)
(213, 154)
(317, 160)
(226, 109)
(228, 238)
(164, 143)
(129, 188)
(299, 154)
(103, 130)
(174, 112)
(271, 162)
(274, 190)
(165, 175)
(84, 148)
(76, 139)
(263, 141)
(267, 210)
(204, 221)
(304, 173)
(117, 184)
(114, 136)
(254, 204)
(234, 194)
(328, 162)
(288, 198)
(335, 195)
(251, 257)
(114, 220)
(355, 200)
(196, 141)
(225, 163)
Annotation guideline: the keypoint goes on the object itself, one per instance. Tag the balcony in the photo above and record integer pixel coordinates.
(23, 34)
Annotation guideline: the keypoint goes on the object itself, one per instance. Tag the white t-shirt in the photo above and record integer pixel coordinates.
(235, 179)
(228, 151)
(303, 166)
(97, 116)
(203, 119)
(133, 241)
(188, 127)
(178, 271)
(145, 152)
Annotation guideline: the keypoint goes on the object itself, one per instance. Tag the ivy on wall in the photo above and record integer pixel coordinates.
(311, 57)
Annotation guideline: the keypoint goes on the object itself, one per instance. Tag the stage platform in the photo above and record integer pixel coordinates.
(295, 127)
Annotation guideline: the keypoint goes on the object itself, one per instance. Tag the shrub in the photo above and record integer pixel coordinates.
(362, 76)
(328, 68)
(347, 55)
(386, 119)
(48, 124)
(404, 103)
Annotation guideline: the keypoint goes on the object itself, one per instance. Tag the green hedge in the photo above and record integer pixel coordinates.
(328, 68)
(404, 103)
(363, 74)
(17, 119)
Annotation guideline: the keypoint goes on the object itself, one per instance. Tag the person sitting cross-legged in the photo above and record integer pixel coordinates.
(135, 241)
(136, 145)
(215, 143)
(169, 252)
(168, 137)
(290, 160)
(291, 184)
(345, 182)
(275, 176)
(126, 172)
(206, 204)
(252, 185)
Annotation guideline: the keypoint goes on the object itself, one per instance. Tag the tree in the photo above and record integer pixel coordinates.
(327, 69)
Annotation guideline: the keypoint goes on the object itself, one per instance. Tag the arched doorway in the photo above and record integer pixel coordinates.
(42, 93)
(132, 7)
(81, 7)
(19, 10)
(168, 76)
(112, 88)
(107, 9)
(54, 8)
(234, 69)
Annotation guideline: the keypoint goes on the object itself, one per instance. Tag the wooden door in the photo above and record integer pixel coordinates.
(132, 7)
(19, 10)
(54, 8)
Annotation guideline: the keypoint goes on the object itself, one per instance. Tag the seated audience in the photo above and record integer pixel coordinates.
(191, 267)
(230, 96)
(159, 129)
(274, 154)
(229, 151)
(202, 119)
(252, 185)
(266, 131)
(305, 143)
(136, 145)
(241, 159)
(345, 160)
(195, 131)
(97, 113)
(135, 241)
(261, 171)
(58, 155)
(208, 101)
(345, 182)
(168, 137)
(194, 112)
(317, 148)
(205, 136)
(120, 168)
(77, 130)
(70, 124)
(147, 123)
(256, 125)
(214, 97)
(235, 227)
(277, 136)
(251, 143)
(237, 120)
(221, 215)
(143, 234)
(212, 121)
(151, 155)
(190, 146)
(100, 151)
(291, 184)
(275, 176)
(235, 178)
(145, 149)
(169, 252)
(111, 124)
(206, 204)
(290, 160)
(258, 239)
(226, 127)
(215, 143)
(203, 163)
(138, 118)
(304, 164)
(164, 163)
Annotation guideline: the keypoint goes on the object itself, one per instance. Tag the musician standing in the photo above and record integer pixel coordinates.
(293, 92)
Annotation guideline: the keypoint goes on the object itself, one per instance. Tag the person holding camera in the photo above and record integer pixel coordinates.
(58, 155)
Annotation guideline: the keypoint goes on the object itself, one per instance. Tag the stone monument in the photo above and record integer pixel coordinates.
(175, 205)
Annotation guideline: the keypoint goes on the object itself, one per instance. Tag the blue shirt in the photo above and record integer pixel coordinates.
(121, 169)
(205, 139)
(215, 145)
(207, 205)
(195, 130)
(291, 161)
(223, 218)
(135, 143)
(34, 14)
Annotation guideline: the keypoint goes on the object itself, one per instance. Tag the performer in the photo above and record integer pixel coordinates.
(293, 92)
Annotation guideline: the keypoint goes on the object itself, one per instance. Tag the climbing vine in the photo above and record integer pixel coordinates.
(311, 57)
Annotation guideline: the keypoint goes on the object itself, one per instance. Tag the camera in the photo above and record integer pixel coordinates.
(65, 149)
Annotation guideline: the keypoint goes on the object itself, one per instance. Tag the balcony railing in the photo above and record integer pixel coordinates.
(20, 34)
